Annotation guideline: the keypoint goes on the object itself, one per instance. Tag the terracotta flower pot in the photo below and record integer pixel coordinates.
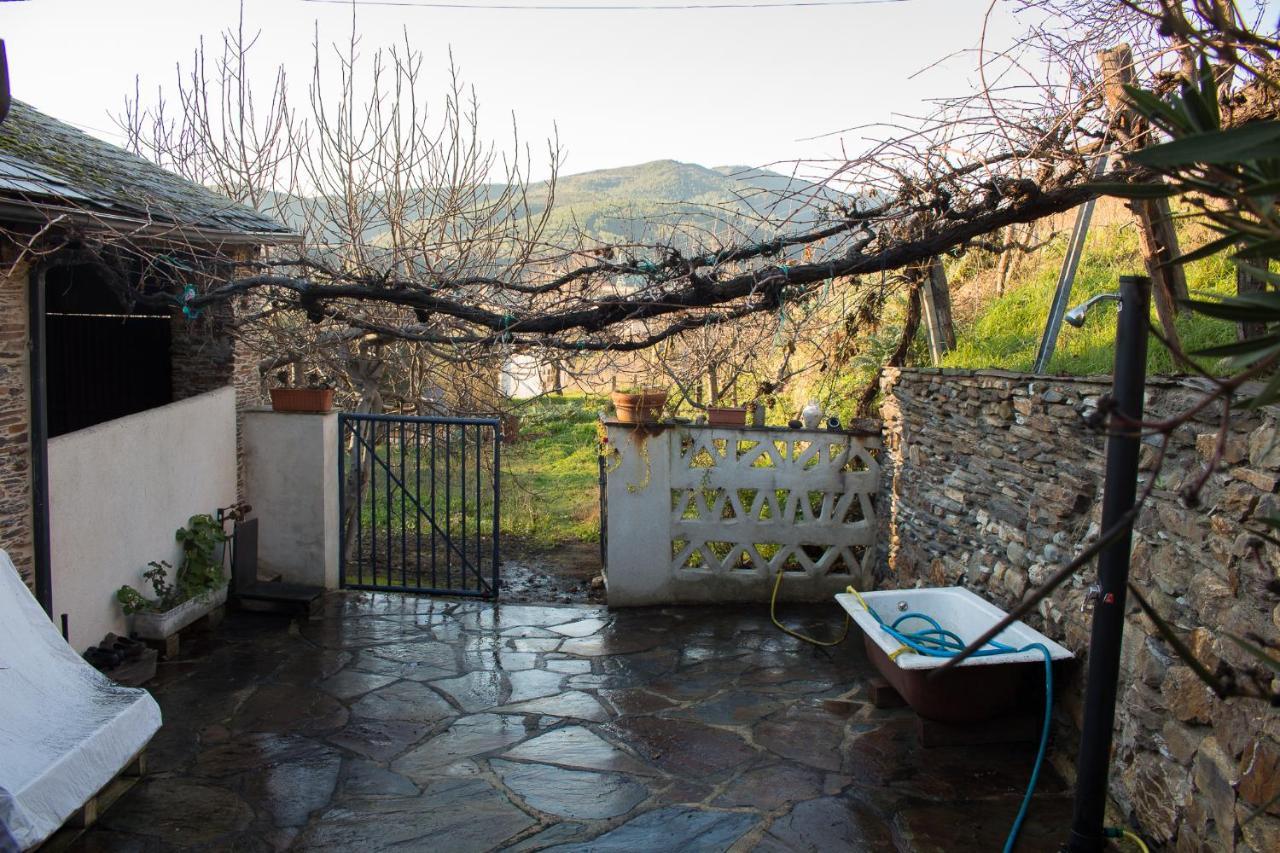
(644, 406)
(314, 400)
(727, 415)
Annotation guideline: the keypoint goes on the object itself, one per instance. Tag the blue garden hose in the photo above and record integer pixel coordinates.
(936, 641)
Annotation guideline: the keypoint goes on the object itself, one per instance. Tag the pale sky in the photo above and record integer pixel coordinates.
(716, 87)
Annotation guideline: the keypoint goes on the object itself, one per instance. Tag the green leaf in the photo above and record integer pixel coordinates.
(1247, 142)
(1259, 273)
(1153, 108)
(1213, 247)
(1234, 311)
(1251, 345)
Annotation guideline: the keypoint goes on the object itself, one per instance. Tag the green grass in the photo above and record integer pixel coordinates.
(550, 491)
(1007, 332)
(549, 488)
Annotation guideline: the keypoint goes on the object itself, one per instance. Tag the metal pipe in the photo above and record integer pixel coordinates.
(1128, 385)
(39, 439)
(1067, 273)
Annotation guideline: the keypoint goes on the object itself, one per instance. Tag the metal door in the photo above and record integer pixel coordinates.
(419, 503)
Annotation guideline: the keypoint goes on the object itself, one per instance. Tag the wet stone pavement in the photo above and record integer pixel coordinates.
(405, 723)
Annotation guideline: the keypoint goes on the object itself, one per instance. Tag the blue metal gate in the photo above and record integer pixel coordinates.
(419, 503)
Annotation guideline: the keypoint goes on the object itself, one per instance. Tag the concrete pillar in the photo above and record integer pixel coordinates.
(291, 474)
(638, 552)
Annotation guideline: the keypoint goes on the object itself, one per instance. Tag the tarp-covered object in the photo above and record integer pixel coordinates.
(65, 729)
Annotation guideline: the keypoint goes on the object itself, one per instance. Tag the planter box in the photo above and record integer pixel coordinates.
(727, 415)
(311, 400)
(158, 626)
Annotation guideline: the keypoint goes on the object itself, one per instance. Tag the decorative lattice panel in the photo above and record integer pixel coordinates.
(752, 502)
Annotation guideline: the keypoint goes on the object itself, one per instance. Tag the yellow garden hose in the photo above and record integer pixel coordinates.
(1119, 832)
(773, 605)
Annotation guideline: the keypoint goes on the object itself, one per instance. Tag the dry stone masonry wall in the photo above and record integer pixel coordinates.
(996, 479)
(15, 436)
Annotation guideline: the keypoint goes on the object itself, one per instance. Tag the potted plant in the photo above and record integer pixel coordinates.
(316, 398)
(198, 587)
(639, 405)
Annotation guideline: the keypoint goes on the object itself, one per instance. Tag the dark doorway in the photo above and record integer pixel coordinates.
(104, 360)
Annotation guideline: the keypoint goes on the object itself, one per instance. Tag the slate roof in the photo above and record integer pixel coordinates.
(47, 162)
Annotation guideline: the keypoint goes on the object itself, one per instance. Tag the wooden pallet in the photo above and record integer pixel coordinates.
(171, 645)
(88, 814)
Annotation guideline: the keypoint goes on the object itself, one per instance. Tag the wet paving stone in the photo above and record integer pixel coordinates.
(578, 794)
(767, 788)
(579, 747)
(362, 778)
(353, 683)
(984, 826)
(274, 708)
(475, 691)
(569, 667)
(558, 833)
(468, 736)
(683, 748)
(572, 704)
(803, 732)
(404, 723)
(380, 740)
(533, 684)
(469, 813)
(580, 628)
(674, 828)
(403, 700)
(828, 823)
(177, 812)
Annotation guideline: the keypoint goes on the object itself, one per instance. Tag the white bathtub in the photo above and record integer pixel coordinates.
(977, 688)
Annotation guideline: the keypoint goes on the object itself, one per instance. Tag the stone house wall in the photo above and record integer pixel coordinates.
(995, 479)
(206, 355)
(15, 421)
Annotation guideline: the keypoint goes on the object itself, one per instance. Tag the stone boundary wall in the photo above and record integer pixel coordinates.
(995, 479)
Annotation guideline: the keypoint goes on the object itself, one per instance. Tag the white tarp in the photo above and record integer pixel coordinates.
(65, 729)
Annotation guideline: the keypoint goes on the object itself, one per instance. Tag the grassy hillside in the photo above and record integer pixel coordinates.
(1004, 332)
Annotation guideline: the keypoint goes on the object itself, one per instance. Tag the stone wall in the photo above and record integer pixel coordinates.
(996, 479)
(15, 413)
(206, 356)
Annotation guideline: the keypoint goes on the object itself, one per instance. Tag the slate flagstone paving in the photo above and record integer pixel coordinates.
(406, 723)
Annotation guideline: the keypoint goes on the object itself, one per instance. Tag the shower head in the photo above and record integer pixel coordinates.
(1076, 315)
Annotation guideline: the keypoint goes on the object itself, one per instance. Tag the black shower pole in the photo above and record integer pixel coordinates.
(1128, 386)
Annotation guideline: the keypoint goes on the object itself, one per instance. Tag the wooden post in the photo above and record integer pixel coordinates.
(1157, 235)
(936, 302)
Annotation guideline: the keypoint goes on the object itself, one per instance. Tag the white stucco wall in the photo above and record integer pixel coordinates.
(291, 481)
(117, 493)
(522, 377)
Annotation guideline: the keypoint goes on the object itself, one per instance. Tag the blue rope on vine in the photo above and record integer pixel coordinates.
(188, 294)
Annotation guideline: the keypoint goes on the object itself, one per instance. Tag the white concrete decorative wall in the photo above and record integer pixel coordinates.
(117, 493)
(699, 514)
(291, 481)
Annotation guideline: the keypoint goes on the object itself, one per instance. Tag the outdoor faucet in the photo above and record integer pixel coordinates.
(1091, 595)
(1076, 315)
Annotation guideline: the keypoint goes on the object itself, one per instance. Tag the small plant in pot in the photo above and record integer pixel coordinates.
(315, 398)
(639, 405)
(198, 586)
